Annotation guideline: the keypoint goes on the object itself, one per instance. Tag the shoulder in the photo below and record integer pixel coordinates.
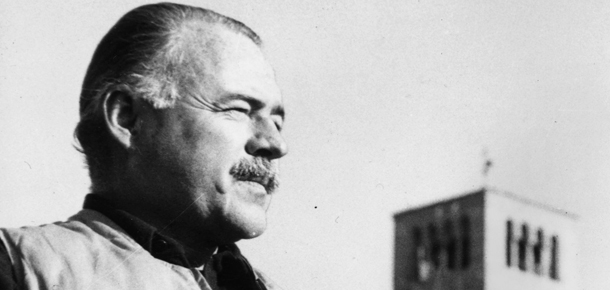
(268, 282)
(78, 232)
(47, 248)
(87, 247)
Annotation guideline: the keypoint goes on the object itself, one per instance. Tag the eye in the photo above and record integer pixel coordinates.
(236, 113)
(237, 107)
(239, 110)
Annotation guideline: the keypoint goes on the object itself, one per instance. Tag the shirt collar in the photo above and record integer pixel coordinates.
(232, 269)
(148, 237)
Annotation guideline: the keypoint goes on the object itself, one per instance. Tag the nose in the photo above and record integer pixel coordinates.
(267, 141)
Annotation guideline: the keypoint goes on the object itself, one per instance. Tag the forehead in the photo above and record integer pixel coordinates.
(233, 63)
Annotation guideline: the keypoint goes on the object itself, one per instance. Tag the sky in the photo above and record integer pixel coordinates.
(390, 105)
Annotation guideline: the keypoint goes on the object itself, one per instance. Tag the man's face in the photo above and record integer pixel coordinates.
(208, 164)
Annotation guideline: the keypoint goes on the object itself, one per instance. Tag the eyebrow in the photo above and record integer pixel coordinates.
(255, 103)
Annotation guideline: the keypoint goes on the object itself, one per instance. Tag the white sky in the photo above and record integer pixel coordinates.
(390, 105)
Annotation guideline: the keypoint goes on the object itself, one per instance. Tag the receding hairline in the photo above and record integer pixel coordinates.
(197, 48)
(208, 30)
(209, 38)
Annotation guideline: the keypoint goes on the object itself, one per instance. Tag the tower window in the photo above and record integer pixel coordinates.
(435, 246)
(554, 268)
(421, 268)
(466, 240)
(523, 242)
(538, 248)
(451, 244)
(509, 242)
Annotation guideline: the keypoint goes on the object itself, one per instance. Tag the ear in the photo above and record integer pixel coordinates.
(121, 116)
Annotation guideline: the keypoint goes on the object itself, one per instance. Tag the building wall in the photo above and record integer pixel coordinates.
(414, 255)
(500, 208)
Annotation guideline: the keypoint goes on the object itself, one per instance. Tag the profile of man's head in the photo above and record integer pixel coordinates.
(180, 123)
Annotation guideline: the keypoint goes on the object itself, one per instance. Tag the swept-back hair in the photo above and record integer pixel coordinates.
(141, 55)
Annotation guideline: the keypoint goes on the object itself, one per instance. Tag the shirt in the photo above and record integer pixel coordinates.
(230, 269)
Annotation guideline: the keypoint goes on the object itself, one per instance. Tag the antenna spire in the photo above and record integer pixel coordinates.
(486, 166)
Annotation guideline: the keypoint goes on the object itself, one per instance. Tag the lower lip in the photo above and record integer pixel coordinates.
(255, 185)
(253, 192)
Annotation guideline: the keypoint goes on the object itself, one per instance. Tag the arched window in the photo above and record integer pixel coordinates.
(509, 242)
(466, 241)
(554, 268)
(435, 246)
(523, 243)
(538, 248)
(451, 245)
(421, 267)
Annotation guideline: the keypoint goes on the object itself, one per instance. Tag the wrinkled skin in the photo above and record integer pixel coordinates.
(180, 159)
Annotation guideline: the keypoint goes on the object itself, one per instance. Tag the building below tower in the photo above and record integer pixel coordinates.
(487, 239)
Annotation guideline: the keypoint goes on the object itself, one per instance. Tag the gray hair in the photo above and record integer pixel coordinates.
(142, 55)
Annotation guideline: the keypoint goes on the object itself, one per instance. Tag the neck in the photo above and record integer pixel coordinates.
(197, 248)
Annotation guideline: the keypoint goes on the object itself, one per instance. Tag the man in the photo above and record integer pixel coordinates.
(180, 125)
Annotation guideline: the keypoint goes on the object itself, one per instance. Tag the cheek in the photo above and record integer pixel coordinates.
(202, 145)
(223, 137)
(212, 146)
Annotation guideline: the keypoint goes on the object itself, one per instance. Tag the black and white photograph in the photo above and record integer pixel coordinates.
(237, 145)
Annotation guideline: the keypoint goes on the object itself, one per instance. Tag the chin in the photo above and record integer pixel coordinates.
(255, 233)
(252, 228)
(243, 232)
(246, 214)
(247, 224)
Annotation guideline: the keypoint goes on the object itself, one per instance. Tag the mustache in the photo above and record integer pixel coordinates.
(260, 170)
